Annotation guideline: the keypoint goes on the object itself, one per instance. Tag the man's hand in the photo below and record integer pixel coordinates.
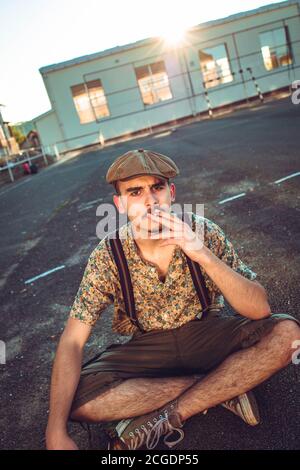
(177, 232)
(246, 297)
(59, 441)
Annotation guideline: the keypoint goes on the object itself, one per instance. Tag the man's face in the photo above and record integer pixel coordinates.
(141, 195)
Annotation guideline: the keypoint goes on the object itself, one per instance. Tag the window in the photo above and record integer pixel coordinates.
(90, 101)
(275, 48)
(215, 66)
(153, 82)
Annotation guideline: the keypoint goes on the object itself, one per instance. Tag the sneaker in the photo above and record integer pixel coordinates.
(147, 430)
(244, 406)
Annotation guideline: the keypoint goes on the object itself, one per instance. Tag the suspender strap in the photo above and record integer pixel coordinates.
(196, 273)
(125, 279)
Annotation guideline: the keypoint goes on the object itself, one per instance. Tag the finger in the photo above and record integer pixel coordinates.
(168, 232)
(181, 233)
(165, 222)
(178, 223)
(164, 235)
(169, 241)
(168, 216)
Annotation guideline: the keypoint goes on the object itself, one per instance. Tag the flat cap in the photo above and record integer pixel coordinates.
(141, 162)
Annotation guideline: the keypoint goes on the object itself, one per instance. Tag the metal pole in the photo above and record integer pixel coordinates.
(56, 152)
(44, 155)
(8, 166)
(210, 111)
(101, 139)
(2, 126)
(28, 156)
(258, 90)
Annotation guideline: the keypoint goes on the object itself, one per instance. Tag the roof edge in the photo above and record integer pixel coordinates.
(40, 116)
(144, 42)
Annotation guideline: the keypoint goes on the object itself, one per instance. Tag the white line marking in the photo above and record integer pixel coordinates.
(231, 198)
(85, 206)
(287, 177)
(162, 134)
(94, 201)
(15, 186)
(44, 274)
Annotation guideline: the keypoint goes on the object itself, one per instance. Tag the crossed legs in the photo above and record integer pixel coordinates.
(239, 373)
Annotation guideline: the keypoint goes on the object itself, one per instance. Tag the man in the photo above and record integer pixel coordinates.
(149, 386)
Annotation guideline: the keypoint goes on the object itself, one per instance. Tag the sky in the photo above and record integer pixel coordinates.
(36, 33)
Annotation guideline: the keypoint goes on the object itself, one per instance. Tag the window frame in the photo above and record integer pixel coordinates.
(218, 79)
(92, 108)
(288, 46)
(148, 65)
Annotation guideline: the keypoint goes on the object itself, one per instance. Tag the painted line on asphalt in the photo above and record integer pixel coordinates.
(15, 186)
(232, 198)
(44, 274)
(287, 177)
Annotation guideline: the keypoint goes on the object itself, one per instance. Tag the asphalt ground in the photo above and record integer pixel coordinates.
(49, 220)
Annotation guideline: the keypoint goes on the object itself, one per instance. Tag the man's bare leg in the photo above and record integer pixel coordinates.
(133, 397)
(239, 373)
(242, 371)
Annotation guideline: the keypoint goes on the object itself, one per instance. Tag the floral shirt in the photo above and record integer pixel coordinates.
(159, 305)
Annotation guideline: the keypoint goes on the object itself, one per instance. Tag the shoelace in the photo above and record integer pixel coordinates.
(154, 433)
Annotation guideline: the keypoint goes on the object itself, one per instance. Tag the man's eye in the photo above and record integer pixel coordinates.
(134, 193)
(161, 186)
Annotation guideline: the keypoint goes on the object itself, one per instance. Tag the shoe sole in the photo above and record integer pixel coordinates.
(116, 444)
(249, 408)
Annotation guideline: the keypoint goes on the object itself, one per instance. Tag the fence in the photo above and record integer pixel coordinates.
(11, 165)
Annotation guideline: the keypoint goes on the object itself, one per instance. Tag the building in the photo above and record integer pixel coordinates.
(137, 86)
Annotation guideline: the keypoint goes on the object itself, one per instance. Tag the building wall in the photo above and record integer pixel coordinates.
(48, 129)
(241, 37)
(123, 95)
(116, 72)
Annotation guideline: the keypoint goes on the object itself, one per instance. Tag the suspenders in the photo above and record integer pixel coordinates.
(125, 278)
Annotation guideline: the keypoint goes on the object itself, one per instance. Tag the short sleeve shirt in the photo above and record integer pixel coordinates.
(159, 305)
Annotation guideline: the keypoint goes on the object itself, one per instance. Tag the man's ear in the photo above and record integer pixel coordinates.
(172, 191)
(119, 203)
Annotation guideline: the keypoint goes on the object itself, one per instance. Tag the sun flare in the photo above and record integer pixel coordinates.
(174, 35)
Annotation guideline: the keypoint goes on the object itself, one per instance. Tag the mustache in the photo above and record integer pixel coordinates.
(151, 211)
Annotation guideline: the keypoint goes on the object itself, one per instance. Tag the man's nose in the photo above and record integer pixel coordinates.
(151, 200)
